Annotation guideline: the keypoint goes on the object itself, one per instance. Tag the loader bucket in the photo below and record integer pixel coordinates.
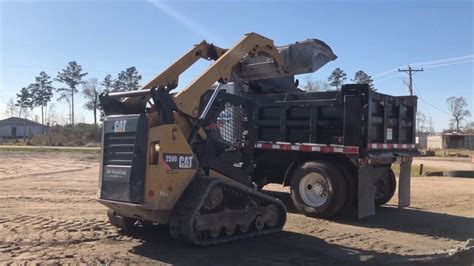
(306, 56)
(298, 58)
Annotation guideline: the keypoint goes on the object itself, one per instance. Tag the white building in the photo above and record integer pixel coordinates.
(15, 127)
(451, 141)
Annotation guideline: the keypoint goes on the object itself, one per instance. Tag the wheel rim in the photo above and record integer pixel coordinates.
(229, 230)
(271, 215)
(382, 187)
(259, 223)
(314, 190)
(243, 228)
(214, 198)
(214, 231)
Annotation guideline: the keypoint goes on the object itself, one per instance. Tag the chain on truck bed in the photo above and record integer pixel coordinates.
(217, 210)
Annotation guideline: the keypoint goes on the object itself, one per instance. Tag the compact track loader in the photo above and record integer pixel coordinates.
(186, 158)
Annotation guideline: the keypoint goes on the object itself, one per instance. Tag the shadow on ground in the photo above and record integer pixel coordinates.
(278, 249)
(408, 220)
(298, 249)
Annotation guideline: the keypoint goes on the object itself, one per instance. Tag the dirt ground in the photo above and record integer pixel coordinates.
(449, 164)
(48, 214)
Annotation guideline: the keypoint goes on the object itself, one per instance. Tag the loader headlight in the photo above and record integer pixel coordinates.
(154, 153)
(156, 146)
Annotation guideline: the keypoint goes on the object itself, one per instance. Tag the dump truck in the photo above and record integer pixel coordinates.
(335, 149)
(196, 157)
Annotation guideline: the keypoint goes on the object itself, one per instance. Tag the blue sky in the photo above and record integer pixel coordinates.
(374, 36)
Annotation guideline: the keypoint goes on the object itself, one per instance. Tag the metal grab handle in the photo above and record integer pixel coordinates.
(124, 94)
(210, 102)
(201, 118)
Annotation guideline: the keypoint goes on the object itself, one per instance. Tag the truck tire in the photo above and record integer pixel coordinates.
(351, 187)
(385, 188)
(318, 189)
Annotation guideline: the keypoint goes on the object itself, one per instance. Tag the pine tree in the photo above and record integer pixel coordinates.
(107, 83)
(361, 77)
(24, 100)
(41, 92)
(71, 76)
(337, 78)
(127, 80)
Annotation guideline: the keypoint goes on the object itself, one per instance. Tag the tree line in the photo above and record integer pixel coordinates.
(458, 109)
(41, 91)
(71, 79)
(337, 79)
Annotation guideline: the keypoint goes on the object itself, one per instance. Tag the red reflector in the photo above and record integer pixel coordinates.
(151, 193)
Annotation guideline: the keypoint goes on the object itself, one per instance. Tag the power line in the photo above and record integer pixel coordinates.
(426, 66)
(450, 63)
(88, 70)
(434, 63)
(433, 106)
(443, 61)
(410, 72)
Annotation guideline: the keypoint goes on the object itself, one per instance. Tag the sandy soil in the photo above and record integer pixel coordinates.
(48, 215)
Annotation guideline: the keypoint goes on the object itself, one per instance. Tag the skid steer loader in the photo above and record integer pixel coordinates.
(186, 159)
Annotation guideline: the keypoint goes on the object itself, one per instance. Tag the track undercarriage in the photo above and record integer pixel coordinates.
(217, 210)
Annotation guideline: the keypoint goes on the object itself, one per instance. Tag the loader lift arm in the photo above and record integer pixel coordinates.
(187, 100)
(251, 44)
(169, 78)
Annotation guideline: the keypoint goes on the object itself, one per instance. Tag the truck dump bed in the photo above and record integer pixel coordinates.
(355, 116)
(356, 130)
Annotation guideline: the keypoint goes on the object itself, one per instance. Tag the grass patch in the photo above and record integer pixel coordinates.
(415, 169)
(453, 153)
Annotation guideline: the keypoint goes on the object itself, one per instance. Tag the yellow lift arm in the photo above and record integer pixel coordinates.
(187, 100)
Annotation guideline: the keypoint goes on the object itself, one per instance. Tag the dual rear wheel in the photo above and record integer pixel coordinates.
(323, 189)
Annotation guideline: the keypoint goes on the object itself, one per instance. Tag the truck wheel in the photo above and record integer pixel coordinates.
(351, 187)
(385, 188)
(318, 189)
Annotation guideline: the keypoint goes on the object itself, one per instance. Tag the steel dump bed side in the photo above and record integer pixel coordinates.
(377, 124)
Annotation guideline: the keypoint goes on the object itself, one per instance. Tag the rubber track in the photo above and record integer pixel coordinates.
(182, 219)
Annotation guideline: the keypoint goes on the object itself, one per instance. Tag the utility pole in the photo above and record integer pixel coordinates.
(431, 129)
(410, 75)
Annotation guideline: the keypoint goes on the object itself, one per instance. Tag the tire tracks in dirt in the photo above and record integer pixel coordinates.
(29, 236)
(46, 173)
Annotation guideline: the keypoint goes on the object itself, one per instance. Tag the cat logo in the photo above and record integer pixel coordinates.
(186, 162)
(179, 161)
(120, 125)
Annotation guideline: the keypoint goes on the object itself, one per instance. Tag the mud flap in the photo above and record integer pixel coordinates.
(366, 190)
(404, 182)
(366, 193)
